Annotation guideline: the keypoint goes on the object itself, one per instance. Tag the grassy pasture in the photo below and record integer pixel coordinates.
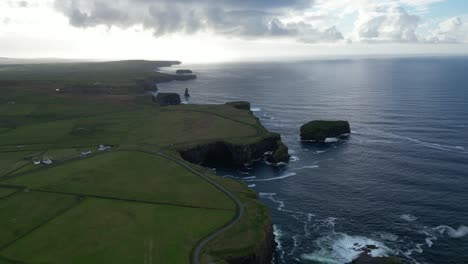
(4, 192)
(23, 212)
(68, 214)
(128, 175)
(106, 231)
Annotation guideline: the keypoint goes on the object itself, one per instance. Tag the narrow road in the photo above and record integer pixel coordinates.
(235, 220)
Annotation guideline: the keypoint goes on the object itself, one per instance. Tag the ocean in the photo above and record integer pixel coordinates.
(399, 182)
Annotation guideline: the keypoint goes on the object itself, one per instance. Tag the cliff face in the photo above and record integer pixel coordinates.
(262, 255)
(224, 154)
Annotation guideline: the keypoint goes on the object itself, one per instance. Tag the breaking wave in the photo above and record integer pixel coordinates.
(339, 248)
(461, 231)
(408, 217)
(283, 176)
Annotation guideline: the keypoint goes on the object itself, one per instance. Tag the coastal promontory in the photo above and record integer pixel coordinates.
(125, 184)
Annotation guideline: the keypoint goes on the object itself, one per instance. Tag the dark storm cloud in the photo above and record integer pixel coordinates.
(240, 18)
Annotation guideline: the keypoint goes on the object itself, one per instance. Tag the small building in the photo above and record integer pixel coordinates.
(86, 153)
(47, 161)
(103, 148)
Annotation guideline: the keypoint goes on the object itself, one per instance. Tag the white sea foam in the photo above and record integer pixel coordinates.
(279, 164)
(239, 178)
(255, 109)
(320, 151)
(251, 185)
(291, 151)
(342, 248)
(417, 248)
(278, 234)
(271, 197)
(294, 158)
(308, 167)
(331, 140)
(282, 176)
(429, 242)
(330, 221)
(262, 194)
(388, 236)
(438, 146)
(408, 217)
(461, 231)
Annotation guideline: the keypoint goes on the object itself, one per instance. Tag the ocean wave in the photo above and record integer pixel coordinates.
(439, 146)
(294, 158)
(331, 140)
(255, 109)
(319, 151)
(271, 197)
(408, 217)
(239, 178)
(251, 185)
(283, 176)
(308, 167)
(388, 236)
(461, 231)
(343, 248)
(416, 248)
(330, 222)
(278, 235)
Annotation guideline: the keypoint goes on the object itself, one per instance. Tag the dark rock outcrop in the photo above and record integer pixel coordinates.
(364, 258)
(280, 154)
(186, 94)
(321, 130)
(262, 255)
(240, 105)
(184, 72)
(165, 99)
(224, 154)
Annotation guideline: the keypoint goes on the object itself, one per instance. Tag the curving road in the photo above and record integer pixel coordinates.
(235, 220)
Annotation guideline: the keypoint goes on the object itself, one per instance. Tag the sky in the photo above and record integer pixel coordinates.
(231, 30)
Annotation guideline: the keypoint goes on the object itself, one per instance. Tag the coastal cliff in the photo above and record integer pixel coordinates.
(263, 254)
(252, 240)
(226, 154)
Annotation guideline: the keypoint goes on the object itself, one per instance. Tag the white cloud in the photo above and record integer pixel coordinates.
(231, 18)
(452, 30)
(386, 24)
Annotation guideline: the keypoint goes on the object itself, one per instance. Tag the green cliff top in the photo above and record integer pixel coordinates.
(109, 196)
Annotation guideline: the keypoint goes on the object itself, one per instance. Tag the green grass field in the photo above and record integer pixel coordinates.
(5, 192)
(127, 205)
(106, 231)
(128, 175)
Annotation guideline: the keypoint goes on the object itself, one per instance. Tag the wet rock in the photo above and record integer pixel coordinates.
(280, 154)
(364, 258)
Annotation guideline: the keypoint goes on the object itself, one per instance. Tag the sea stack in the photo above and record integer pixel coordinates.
(186, 93)
(320, 130)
